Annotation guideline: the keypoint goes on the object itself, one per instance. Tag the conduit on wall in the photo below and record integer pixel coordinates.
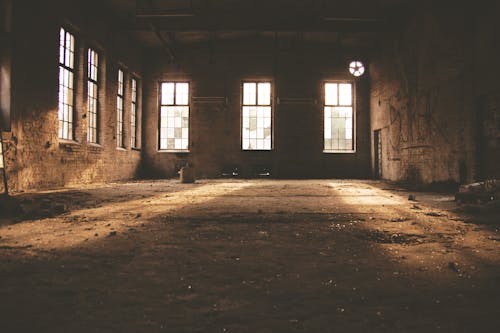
(5, 79)
(2, 167)
(5, 63)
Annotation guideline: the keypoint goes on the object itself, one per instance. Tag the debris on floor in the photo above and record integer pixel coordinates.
(479, 192)
(295, 254)
(229, 172)
(187, 174)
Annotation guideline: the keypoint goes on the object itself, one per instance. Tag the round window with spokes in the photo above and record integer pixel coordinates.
(356, 68)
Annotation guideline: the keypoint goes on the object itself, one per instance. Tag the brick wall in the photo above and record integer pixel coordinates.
(296, 72)
(35, 156)
(428, 85)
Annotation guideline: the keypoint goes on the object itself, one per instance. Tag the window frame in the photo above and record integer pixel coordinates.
(71, 135)
(271, 105)
(2, 162)
(120, 132)
(353, 106)
(160, 105)
(97, 82)
(134, 111)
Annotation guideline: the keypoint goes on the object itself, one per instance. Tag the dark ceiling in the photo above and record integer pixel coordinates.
(352, 22)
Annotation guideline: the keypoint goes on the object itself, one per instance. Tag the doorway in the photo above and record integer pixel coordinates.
(377, 142)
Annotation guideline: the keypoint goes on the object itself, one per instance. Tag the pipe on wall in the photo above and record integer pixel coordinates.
(5, 64)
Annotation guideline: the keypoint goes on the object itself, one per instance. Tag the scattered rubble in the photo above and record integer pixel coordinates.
(480, 192)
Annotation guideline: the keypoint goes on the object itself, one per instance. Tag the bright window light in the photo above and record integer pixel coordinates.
(256, 116)
(92, 94)
(338, 118)
(66, 84)
(356, 68)
(120, 126)
(174, 116)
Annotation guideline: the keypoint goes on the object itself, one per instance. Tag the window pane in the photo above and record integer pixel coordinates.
(167, 93)
(92, 95)
(62, 50)
(338, 118)
(256, 120)
(264, 93)
(174, 127)
(256, 131)
(331, 94)
(338, 129)
(65, 94)
(345, 94)
(62, 33)
(120, 134)
(182, 94)
(249, 93)
(246, 144)
(120, 82)
(1, 156)
(134, 90)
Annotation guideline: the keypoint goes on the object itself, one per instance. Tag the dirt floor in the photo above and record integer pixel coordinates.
(248, 256)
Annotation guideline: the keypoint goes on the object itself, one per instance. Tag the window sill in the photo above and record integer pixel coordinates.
(121, 149)
(257, 150)
(65, 142)
(136, 149)
(174, 151)
(339, 152)
(94, 145)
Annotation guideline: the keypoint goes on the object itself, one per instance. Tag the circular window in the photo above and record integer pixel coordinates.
(356, 68)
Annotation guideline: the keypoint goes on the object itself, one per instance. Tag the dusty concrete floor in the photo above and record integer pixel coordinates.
(247, 256)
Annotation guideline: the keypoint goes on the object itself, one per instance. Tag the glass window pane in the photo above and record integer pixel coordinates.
(264, 93)
(65, 94)
(249, 93)
(338, 117)
(120, 82)
(348, 133)
(256, 120)
(61, 36)
(61, 54)
(167, 93)
(266, 112)
(174, 127)
(331, 93)
(345, 94)
(182, 94)
(134, 91)
(338, 129)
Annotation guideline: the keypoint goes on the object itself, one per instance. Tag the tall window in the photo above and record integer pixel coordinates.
(174, 116)
(92, 94)
(1, 153)
(119, 111)
(256, 116)
(133, 115)
(66, 84)
(339, 118)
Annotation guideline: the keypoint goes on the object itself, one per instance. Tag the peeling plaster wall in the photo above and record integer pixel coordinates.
(297, 71)
(35, 157)
(435, 96)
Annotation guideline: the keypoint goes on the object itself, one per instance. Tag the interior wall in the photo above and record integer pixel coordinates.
(297, 70)
(435, 96)
(35, 156)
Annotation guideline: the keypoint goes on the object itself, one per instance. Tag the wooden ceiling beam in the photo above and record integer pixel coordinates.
(326, 25)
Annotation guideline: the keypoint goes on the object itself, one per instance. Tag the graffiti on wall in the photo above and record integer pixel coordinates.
(415, 123)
